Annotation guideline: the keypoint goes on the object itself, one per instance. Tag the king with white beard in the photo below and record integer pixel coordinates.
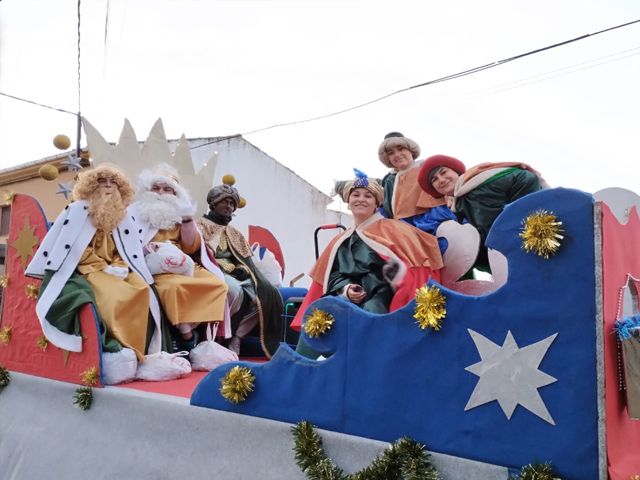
(164, 210)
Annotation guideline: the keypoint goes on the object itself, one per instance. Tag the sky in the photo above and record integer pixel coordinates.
(211, 68)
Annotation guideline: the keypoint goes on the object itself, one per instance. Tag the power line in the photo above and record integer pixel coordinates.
(446, 78)
(36, 103)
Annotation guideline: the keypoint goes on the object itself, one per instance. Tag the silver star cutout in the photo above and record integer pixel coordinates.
(72, 162)
(510, 375)
(65, 189)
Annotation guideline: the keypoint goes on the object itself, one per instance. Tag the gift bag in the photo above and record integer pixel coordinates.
(161, 366)
(208, 354)
(629, 334)
(119, 367)
(165, 257)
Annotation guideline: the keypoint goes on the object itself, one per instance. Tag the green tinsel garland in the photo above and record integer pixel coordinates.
(405, 459)
(536, 471)
(5, 377)
(83, 398)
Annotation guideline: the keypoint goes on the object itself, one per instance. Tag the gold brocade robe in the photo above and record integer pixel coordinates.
(196, 299)
(123, 304)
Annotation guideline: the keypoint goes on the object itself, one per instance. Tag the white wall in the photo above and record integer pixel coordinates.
(277, 199)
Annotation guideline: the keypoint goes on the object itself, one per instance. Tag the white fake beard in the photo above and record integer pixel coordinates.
(159, 211)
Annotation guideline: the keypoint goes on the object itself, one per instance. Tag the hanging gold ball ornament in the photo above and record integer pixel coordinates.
(237, 384)
(318, 323)
(542, 234)
(228, 179)
(242, 203)
(90, 377)
(48, 172)
(61, 142)
(430, 307)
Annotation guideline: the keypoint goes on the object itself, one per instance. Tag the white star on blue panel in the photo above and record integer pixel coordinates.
(510, 375)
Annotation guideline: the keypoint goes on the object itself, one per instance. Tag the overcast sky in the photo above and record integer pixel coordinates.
(212, 68)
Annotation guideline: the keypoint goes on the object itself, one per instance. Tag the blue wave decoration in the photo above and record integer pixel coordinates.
(509, 379)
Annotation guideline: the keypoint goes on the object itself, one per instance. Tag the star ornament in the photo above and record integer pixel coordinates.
(510, 375)
(65, 189)
(25, 242)
(72, 163)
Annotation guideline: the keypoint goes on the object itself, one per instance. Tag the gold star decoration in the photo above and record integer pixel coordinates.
(5, 335)
(42, 342)
(318, 323)
(4, 281)
(237, 384)
(90, 377)
(541, 233)
(25, 242)
(430, 307)
(31, 291)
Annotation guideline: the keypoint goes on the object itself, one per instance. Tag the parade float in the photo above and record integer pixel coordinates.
(530, 374)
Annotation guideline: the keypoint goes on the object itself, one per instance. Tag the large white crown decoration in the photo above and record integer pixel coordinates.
(132, 159)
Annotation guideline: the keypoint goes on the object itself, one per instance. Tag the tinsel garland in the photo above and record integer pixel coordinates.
(83, 398)
(404, 459)
(541, 233)
(318, 323)
(237, 384)
(5, 377)
(536, 471)
(90, 377)
(42, 342)
(430, 307)
(5, 335)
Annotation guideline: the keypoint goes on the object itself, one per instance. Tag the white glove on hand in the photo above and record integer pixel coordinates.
(120, 272)
(186, 210)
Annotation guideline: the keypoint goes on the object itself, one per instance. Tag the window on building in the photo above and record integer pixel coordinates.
(5, 216)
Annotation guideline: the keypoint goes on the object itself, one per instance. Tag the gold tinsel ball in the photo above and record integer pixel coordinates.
(48, 172)
(430, 307)
(61, 142)
(242, 203)
(318, 323)
(228, 179)
(237, 384)
(542, 233)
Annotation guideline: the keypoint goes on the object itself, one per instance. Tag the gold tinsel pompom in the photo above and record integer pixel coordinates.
(32, 290)
(8, 197)
(228, 179)
(4, 281)
(237, 384)
(242, 203)
(61, 142)
(48, 172)
(83, 398)
(541, 233)
(430, 307)
(318, 323)
(5, 335)
(42, 342)
(90, 377)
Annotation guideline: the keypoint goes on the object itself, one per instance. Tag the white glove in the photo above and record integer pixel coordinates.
(120, 272)
(186, 210)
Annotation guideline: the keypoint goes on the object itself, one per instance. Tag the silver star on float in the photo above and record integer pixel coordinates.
(510, 375)
(72, 162)
(65, 189)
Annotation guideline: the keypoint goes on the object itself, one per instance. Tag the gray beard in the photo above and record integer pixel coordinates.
(159, 211)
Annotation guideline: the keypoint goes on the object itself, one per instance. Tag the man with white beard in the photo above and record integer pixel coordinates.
(165, 212)
(93, 254)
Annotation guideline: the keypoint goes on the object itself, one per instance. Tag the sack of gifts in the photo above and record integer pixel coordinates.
(628, 330)
(119, 367)
(162, 366)
(208, 354)
(165, 257)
